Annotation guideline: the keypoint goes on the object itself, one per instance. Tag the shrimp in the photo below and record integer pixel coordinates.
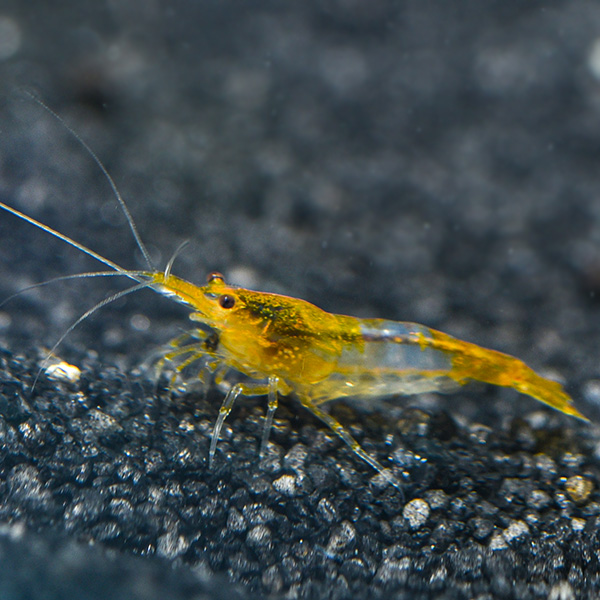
(288, 346)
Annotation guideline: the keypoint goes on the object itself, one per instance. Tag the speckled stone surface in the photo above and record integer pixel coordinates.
(412, 161)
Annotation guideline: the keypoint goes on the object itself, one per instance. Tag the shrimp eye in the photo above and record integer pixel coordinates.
(213, 276)
(226, 301)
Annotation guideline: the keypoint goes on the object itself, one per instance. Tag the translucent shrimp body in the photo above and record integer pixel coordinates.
(291, 346)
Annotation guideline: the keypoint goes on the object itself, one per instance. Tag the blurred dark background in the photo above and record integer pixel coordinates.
(423, 161)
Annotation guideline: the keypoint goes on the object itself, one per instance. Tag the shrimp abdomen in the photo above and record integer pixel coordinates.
(385, 359)
(408, 358)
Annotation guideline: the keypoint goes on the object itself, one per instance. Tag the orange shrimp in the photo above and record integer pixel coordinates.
(286, 346)
(291, 346)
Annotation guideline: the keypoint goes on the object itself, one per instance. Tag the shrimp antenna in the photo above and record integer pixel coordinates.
(73, 276)
(177, 252)
(68, 240)
(84, 316)
(106, 174)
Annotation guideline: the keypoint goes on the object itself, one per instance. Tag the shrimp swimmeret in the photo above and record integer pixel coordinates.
(286, 346)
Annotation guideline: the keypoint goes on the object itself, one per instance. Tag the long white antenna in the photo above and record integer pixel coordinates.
(68, 240)
(88, 275)
(83, 317)
(101, 166)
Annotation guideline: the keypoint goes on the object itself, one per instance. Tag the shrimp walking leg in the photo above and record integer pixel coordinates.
(271, 408)
(339, 429)
(181, 348)
(245, 389)
(185, 354)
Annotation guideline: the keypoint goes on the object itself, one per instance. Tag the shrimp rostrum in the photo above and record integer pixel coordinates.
(286, 346)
